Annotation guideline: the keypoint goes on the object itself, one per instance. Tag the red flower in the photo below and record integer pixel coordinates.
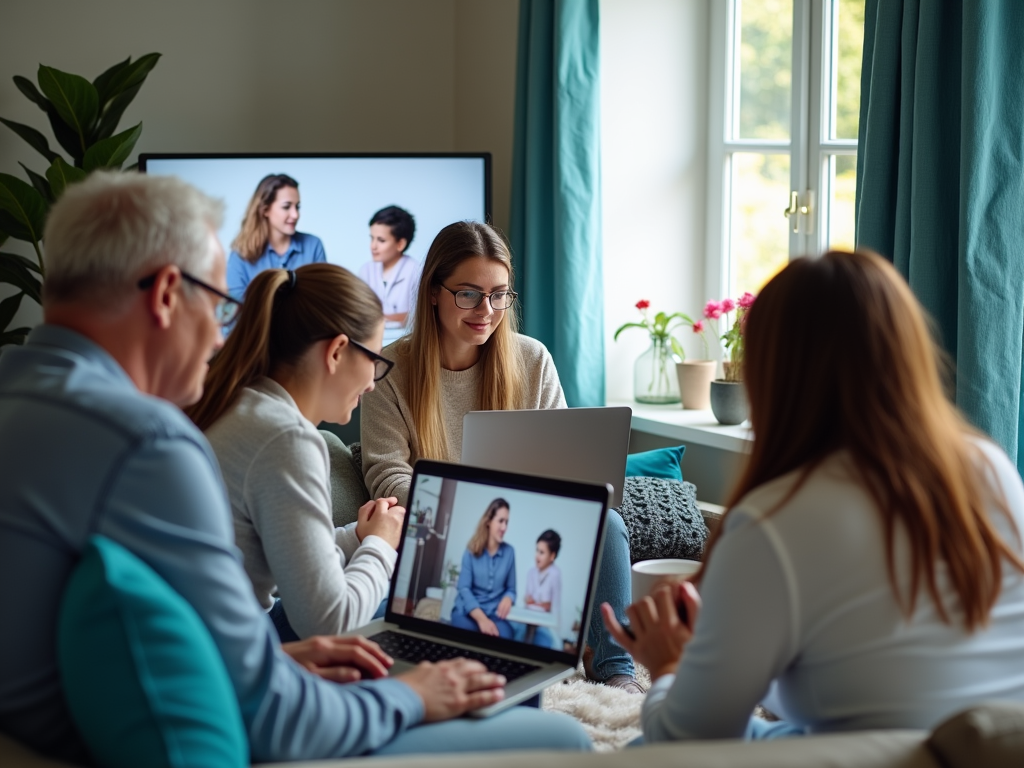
(698, 327)
(727, 305)
(643, 304)
(712, 310)
(747, 300)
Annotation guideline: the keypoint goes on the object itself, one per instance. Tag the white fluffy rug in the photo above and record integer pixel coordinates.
(610, 716)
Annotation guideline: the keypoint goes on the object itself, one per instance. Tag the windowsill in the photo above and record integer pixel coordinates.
(698, 427)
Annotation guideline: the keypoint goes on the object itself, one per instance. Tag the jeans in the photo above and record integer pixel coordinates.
(465, 621)
(613, 587)
(515, 728)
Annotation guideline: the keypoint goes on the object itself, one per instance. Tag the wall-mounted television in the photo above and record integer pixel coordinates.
(341, 191)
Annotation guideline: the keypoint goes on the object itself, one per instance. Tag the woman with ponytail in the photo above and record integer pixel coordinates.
(464, 354)
(305, 349)
(868, 572)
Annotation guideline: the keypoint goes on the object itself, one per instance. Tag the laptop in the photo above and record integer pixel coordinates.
(446, 504)
(584, 444)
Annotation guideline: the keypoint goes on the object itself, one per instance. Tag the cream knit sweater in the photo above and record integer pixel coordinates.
(389, 438)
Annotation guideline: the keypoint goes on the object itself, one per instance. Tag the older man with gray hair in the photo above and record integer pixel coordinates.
(92, 442)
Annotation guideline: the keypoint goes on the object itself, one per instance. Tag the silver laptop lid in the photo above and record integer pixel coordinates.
(584, 444)
(447, 503)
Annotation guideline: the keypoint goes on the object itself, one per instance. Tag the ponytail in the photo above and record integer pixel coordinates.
(283, 315)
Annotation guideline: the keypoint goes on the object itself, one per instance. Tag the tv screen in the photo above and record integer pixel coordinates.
(340, 192)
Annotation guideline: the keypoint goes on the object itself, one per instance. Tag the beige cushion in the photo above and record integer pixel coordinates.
(348, 491)
(986, 736)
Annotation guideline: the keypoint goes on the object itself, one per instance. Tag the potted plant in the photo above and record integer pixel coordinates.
(695, 376)
(83, 116)
(728, 396)
(654, 378)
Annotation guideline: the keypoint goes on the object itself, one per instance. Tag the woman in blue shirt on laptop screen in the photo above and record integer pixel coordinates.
(268, 238)
(487, 578)
(463, 355)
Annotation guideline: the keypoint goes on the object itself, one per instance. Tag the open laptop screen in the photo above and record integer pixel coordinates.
(484, 555)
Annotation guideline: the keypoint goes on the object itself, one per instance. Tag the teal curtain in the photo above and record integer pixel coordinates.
(556, 190)
(940, 184)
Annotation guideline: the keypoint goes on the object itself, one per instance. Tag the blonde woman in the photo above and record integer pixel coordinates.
(464, 355)
(268, 238)
(868, 571)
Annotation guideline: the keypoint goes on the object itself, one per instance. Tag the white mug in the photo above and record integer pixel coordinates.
(647, 574)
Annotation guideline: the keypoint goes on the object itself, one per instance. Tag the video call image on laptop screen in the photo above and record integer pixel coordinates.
(538, 572)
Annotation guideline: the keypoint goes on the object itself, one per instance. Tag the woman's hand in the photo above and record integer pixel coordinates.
(340, 659)
(486, 626)
(381, 517)
(452, 688)
(658, 633)
(504, 607)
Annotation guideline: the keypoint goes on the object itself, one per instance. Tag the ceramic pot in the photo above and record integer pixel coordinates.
(654, 379)
(695, 377)
(729, 401)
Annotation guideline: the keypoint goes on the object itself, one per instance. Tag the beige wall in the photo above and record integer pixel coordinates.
(303, 76)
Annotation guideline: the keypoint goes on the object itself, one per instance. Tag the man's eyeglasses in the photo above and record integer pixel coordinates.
(381, 365)
(471, 299)
(227, 308)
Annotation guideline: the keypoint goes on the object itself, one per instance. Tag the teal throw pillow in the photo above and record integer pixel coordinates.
(142, 676)
(663, 463)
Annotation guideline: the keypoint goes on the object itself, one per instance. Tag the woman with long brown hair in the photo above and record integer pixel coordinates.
(305, 350)
(268, 238)
(868, 571)
(462, 355)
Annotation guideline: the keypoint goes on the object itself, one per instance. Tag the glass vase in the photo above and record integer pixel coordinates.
(654, 375)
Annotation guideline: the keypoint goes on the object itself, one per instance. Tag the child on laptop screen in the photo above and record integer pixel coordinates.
(544, 586)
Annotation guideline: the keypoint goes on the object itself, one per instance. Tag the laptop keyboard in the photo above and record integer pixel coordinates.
(417, 649)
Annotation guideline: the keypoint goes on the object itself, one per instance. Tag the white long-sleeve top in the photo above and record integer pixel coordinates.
(798, 612)
(277, 472)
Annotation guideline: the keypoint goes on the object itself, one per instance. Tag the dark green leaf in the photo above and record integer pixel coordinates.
(3, 237)
(42, 186)
(22, 209)
(28, 88)
(66, 135)
(17, 336)
(34, 138)
(128, 76)
(60, 174)
(18, 275)
(112, 116)
(9, 308)
(16, 260)
(73, 97)
(112, 152)
(102, 82)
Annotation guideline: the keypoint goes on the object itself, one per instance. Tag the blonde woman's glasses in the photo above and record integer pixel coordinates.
(471, 299)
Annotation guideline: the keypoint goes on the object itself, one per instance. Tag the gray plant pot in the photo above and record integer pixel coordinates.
(729, 401)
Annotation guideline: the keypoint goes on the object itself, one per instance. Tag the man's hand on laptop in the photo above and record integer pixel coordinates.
(381, 517)
(340, 659)
(452, 688)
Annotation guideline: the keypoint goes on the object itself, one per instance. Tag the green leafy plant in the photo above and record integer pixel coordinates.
(660, 327)
(83, 117)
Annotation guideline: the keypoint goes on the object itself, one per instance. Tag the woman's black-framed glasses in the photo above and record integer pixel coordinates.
(500, 300)
(227, 308)
(381, 365)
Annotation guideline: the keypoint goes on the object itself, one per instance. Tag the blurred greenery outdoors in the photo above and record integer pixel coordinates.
(760, 182)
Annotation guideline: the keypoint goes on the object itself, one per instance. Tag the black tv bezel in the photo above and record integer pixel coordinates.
(145, 157)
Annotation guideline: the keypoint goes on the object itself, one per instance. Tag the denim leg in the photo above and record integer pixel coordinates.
(515, 728)
(280, 619)
(613, 587)
(762, 730)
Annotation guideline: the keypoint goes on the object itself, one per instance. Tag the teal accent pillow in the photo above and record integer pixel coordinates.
(143, 678)
(663, 463)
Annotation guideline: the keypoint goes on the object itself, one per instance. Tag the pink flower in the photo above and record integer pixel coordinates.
(643, 304)
(727, 305)
(747, 300)
(698, 327)
(712, 310)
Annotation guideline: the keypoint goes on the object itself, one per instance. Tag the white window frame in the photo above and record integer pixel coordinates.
(811, 151)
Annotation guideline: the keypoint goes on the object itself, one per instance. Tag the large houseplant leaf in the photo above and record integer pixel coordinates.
(15, 271)
(28, 88)
(112, 152)
(73, 97)
(9, 308)
(17, 336)
(22, 209)
(41, 185)
(60, 175)
(104, 82)
(113, 113)
(33, 138)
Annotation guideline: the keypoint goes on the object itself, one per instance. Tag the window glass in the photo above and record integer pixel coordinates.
(848, 42)
(842, 182)
(765, 64)
(759, 232)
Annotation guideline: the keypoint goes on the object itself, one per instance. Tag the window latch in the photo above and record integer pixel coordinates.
(800, 217)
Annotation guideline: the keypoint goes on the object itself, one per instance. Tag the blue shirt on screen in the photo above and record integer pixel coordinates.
(304, 249)
(83, 451)
(485, 579)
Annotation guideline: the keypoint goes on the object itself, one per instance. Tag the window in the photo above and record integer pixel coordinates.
(784, 108)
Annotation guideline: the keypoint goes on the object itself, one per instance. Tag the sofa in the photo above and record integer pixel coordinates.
(987, 736)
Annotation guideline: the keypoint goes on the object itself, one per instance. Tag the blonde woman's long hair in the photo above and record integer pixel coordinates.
(478, 541)
(839, 357)
(283, 315)
(503, 382)
(252, 239)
